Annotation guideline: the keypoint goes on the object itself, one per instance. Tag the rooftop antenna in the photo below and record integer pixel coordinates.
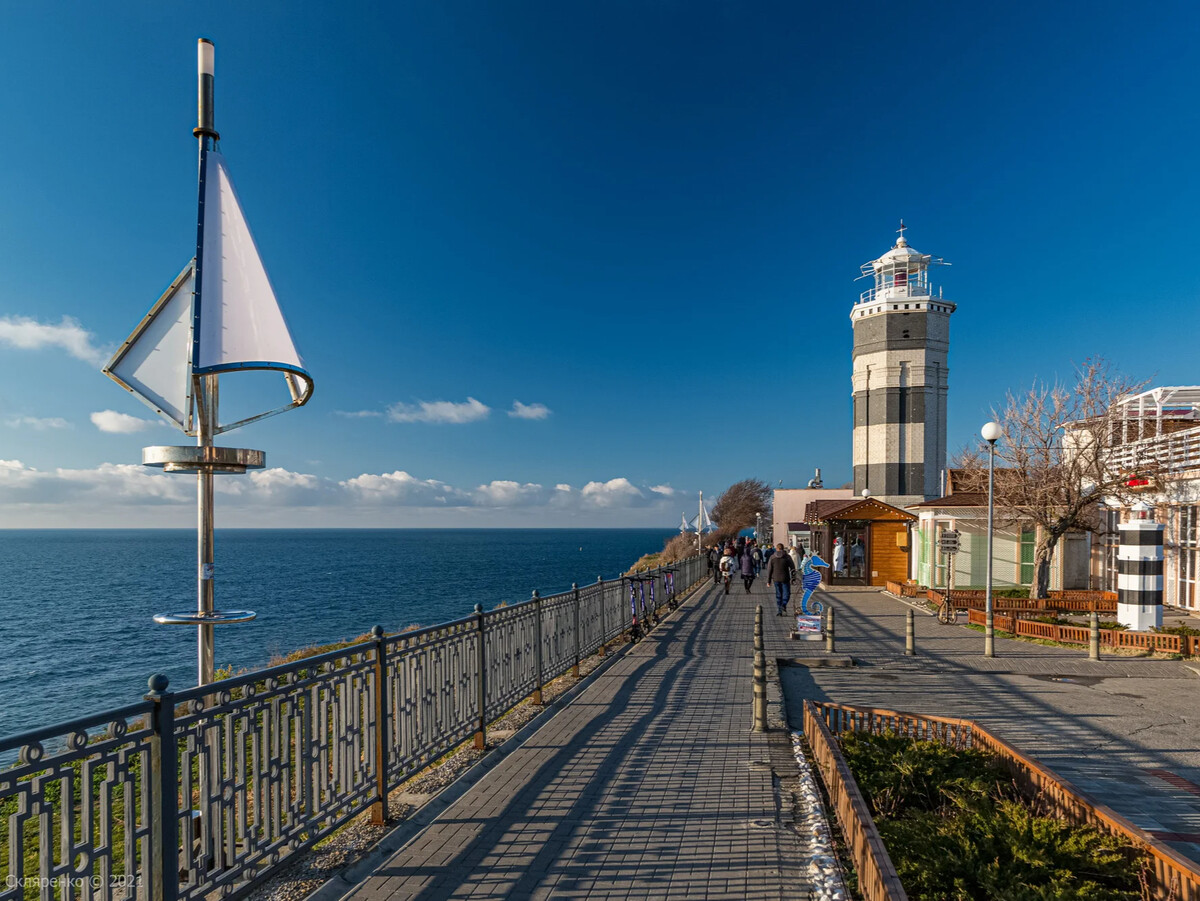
(219, 315)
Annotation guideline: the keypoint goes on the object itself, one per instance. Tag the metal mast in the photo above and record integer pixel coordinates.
(207, 392)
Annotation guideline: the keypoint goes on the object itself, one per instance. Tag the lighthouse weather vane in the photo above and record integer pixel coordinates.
(219, 316)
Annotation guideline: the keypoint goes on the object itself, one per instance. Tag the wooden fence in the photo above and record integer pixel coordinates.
(1188, 645)
(975, 598)
(1171, 876)
(877, 878)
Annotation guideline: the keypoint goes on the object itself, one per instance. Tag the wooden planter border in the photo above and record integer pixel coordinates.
(1172, 877)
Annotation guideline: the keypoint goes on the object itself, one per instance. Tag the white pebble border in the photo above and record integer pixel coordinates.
(823, 868)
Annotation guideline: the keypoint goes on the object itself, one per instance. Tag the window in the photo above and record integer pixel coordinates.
(1185, 569)
(1028, 540)
(1110, 541)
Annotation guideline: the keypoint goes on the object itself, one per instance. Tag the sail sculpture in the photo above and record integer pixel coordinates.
(219, 316)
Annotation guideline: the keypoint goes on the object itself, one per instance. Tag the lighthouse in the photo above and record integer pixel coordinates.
(901, 341)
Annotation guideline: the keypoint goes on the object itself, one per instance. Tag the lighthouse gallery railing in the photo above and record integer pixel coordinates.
(216, 788)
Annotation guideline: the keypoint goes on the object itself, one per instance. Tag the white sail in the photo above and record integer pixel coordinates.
(219, 317)
(239, 323)
(154, 361)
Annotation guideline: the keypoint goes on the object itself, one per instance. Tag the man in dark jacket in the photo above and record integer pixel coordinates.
(780, 570)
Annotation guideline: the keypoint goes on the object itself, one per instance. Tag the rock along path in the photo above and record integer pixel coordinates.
(649, 784)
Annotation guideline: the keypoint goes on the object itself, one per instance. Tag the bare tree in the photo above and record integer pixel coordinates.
(1061, 454)
(738, 504)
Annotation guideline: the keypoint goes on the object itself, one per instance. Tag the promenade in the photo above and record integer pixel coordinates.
(1123, 730)
(649, 784)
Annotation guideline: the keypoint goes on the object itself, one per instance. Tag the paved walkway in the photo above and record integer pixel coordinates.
(649, 784)
(1124, 730)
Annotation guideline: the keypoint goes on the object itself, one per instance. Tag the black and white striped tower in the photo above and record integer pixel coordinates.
(1140, 572)
(901, 342)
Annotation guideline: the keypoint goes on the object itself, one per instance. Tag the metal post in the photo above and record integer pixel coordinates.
(760, 675)
(163, 864)
(537, 647)
(829, 637)
(575, 668)
(481, 681)
(989, 631)
(205, 649)
(603, 619)
(379, 810)
(910, 635)
(207, 399)
(1094, 636)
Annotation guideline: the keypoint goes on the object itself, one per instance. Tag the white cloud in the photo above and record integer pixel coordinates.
(38, 423)
(29, 334)
(664, 490)
(358, 414)
(613, 493)
(528, 411)
(400, 488)
(439, 411)
(120, 423)
(502, 493)
(117, 494)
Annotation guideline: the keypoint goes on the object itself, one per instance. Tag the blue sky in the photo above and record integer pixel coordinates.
(640, 221)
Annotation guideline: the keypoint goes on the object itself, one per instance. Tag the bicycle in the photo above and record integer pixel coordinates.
(947, 613)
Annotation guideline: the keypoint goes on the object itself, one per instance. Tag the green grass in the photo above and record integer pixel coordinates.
(956, 828)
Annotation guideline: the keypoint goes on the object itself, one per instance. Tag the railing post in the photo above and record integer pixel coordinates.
(910, 635)
(603, 620)
(379, 810)
(829, 633)
(481, 681)
(760, 675)
(162, 876)
(575, 668)
(1094, 636)
(537, 645)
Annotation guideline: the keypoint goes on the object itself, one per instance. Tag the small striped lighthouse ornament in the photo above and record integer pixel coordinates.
(1140, 571)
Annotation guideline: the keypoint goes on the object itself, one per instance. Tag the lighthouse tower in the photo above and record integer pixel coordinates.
(901, 340)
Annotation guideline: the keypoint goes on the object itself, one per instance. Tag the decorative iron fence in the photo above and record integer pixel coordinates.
(213, 789)
(1170, 876)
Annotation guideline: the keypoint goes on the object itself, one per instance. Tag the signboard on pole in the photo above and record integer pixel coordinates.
(948, 542)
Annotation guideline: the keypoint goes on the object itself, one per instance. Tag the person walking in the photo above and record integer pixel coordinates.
(729, 562)
(714, 558)
(780, 570)
(756, 553)
(747, 559)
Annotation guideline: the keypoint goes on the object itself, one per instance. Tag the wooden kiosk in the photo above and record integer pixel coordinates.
(876, 538)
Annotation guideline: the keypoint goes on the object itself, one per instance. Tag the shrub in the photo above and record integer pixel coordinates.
(956, 828)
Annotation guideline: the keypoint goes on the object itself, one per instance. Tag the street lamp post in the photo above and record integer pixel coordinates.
(991, 434)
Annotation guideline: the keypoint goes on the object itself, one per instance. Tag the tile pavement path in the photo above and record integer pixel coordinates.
(1124, 730)
(649, 784)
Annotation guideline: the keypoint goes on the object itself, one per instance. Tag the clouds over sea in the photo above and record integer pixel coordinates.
(281, 497)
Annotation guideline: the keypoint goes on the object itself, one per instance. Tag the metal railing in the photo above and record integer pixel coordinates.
(1173, 452)
(217, 787)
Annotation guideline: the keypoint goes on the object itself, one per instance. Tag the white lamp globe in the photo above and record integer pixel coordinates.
(990, 432)
(866, 492)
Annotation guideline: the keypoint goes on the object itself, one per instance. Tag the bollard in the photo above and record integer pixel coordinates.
(829, 640)
(1094, 638)
(910, 635)
(760, 675)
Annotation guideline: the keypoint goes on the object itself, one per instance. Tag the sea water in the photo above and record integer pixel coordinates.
(76, 606)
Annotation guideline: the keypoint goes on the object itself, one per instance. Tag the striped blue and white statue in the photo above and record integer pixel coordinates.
(809, 580)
